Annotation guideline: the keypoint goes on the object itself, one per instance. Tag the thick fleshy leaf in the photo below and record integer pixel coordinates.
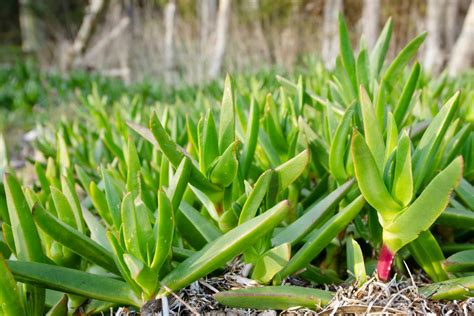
(224, 168)
(113, 196)
(74, 282)
(274, 297)
(428, 255)
(145, 277)
(401, 108)
(372, 132)
(320, 276)
(291, 170)
(457, 218)
(399, 63)
(119, 260)
(271, 262)
(69, 191)
(431, 140)
(256, 196)
(370, 180)
(355, 261)
(73, 239)
(465, 191)
(402, 188)
(339, 146)
(363, 69)
(10, 298)
(207, 203)
(227, 118)
(424, 211)
(215, 254)
(209, 143)
(460, 262)
(175, 155)
(377, 57)
(63, 208)
(251, 137)
(194, 227)
(316, 214)
(133, 167)
(455, 289)
(179, 182)
(130, 227)
(347, 53)
(164, 231)
(25, 235)
(320, 238)
(99, 201)
(392, 136)
(60, 308)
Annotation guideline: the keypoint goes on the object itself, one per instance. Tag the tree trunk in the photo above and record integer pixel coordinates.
(221, 38)
(452, 23)
(94, 11)
(30, 30)
(170, 17)
(463, 52)
(330, 45)
(370, 21)
(207, 14)
(254, 8)
(434, 57)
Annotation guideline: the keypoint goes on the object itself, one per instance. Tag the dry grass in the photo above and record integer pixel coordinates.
(398, 297)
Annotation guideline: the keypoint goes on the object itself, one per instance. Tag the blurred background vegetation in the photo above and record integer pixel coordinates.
(191, 41)
(52, 50)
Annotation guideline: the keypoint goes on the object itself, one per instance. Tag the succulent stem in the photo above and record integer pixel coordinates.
(384, 264)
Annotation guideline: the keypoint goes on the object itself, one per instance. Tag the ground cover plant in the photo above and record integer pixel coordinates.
(313, 177)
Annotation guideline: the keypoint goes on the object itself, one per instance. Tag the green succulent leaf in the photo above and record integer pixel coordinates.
(460, 262)
(274, 297)
(355, 261)
(457, 218)
(74, 282)
(227, 119)
(194, 227)
(347, 53)
(271, 262)
(402, 188)
(320, 238)
(339, 146)
(379, 52)
(209, 146)
(291, 170)
(175, 155)
(370, 180)
(216, 253)
(224, 169)
(401, 108)
(402, 59)
(454, 289)
(372, 133)
(251, 137)
(256, 196)
(12, 303)
(73, 239)
(316, 214)
(164, 231)
(424, 211)
(431, 140)
(26, 238)
(429, 256)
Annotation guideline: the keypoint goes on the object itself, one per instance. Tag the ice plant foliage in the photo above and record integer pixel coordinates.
(304, 177)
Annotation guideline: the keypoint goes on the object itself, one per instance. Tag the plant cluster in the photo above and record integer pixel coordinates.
(314, 179)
